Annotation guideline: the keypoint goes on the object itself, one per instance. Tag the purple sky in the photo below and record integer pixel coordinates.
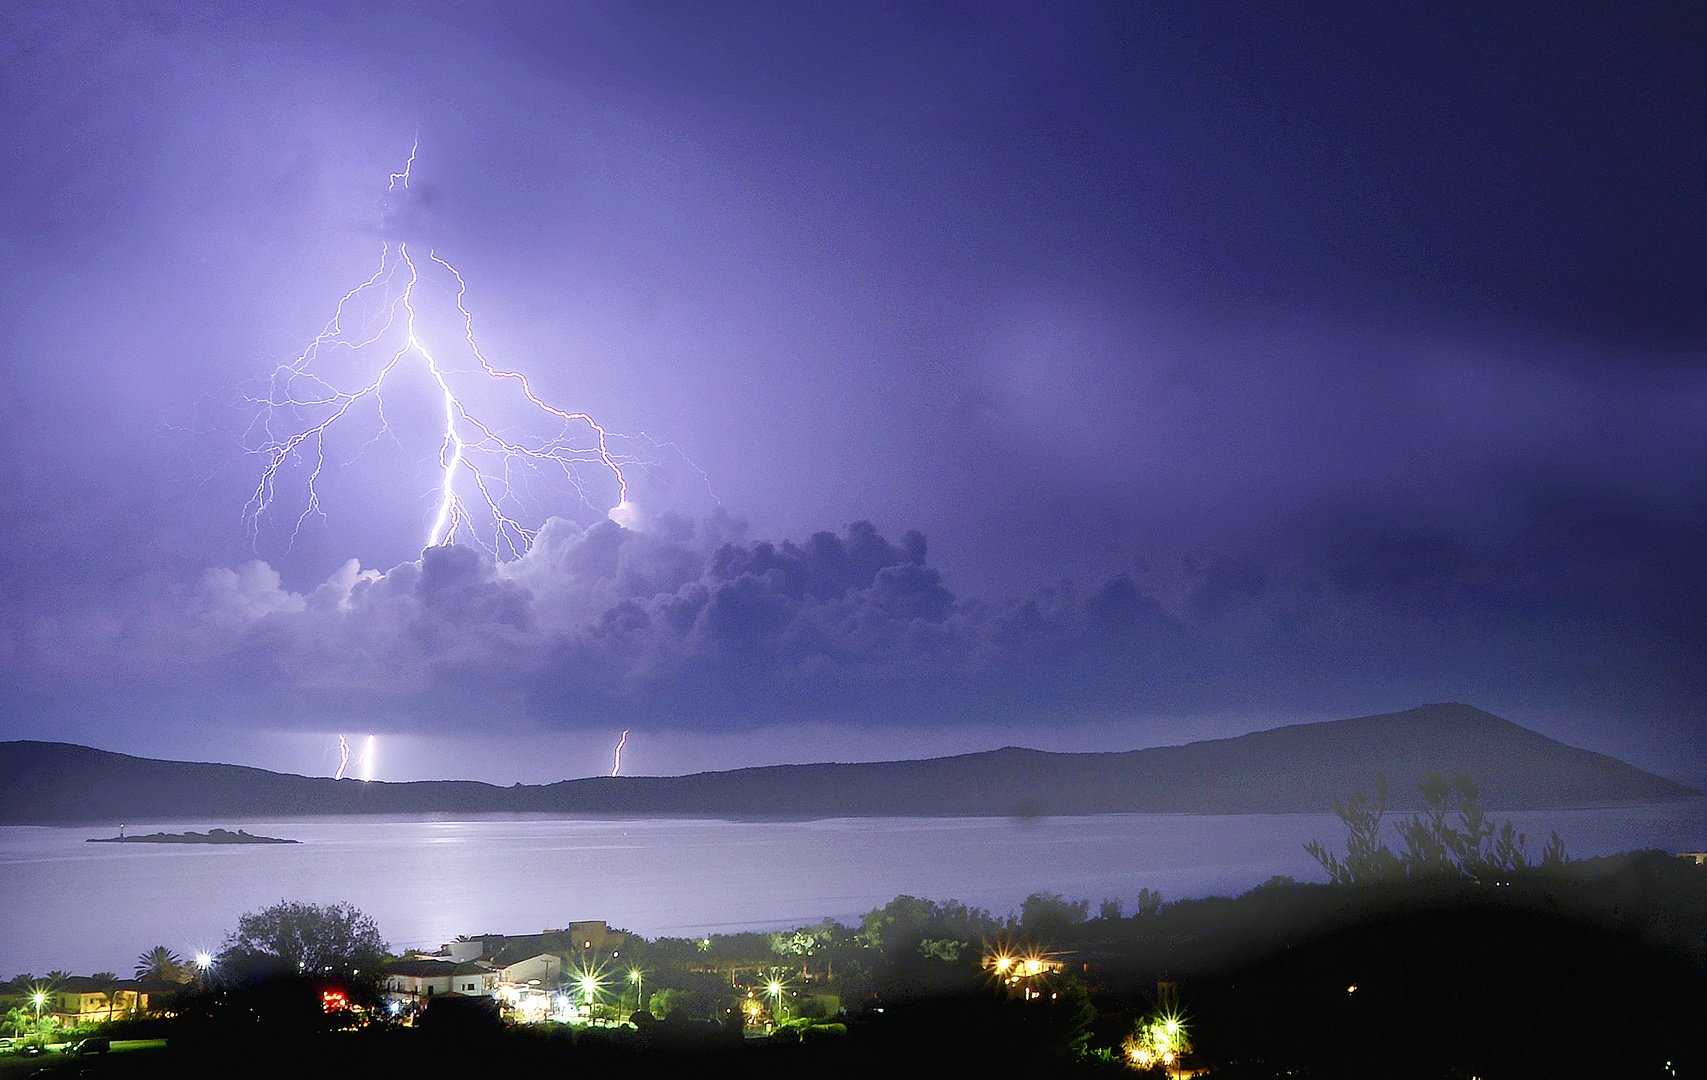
(1080, 376)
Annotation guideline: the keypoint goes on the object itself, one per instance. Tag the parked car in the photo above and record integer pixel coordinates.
(7, 1045)
(94, 1044)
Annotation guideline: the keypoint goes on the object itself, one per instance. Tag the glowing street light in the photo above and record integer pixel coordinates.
(774, 989)
(590, 982)
(38, 997)
(638, 978)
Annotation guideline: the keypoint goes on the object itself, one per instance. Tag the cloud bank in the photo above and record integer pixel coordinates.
(690, 625)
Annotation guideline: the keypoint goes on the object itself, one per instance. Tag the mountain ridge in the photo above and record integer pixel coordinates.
(1296, 769)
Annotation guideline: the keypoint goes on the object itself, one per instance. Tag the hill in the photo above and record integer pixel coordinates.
(1298, 769)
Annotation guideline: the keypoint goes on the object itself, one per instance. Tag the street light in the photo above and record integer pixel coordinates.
(38, 997)
(638, 978)
(590, 984)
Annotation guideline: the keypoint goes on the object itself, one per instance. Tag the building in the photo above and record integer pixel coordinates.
(79, 1000)
(414, 980)
(525, 971)
(578, 940)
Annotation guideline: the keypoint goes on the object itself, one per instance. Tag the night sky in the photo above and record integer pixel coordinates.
(1081, 376)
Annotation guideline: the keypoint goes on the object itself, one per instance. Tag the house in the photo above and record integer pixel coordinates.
(523, 967)
(80, 1000)
(412, 981)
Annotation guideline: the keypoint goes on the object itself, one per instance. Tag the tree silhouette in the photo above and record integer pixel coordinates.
(314, 939)
(1468, 848)
(160, 963)
(108, 981)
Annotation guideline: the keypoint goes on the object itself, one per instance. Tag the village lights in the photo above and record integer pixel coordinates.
(1158, 1041)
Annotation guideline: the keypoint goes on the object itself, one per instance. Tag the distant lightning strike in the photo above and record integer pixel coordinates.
(487, 473)
(366, 757)
(616, 766)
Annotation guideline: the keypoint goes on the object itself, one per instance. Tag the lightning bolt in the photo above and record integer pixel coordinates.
(489, 474)
(616, 766)
(343, 757)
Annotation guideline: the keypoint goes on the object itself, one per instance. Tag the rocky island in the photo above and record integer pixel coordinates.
(212, 836)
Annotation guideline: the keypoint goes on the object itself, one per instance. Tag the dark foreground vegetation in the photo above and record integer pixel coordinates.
(1454, 956)
(1596, 973)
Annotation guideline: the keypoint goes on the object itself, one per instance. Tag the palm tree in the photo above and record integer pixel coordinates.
(160, 963)
(108, 981)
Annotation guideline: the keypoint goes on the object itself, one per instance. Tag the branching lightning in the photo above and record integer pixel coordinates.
(343, 758)
(489, 474)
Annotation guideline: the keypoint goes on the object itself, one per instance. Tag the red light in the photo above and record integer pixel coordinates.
(333, 1000)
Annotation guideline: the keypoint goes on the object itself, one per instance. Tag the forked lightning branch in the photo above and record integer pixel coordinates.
(499, 455)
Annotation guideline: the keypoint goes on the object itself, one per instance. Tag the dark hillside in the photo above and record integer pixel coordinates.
(1298, 769)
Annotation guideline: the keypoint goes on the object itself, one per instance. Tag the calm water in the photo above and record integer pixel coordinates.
(91, 907)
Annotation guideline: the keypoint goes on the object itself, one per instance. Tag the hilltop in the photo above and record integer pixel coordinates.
(1296, 769)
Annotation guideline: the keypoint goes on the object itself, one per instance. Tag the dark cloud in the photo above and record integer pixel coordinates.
(691, 629)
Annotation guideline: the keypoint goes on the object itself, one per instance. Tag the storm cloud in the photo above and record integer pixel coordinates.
(1258, 365)
(692, 626)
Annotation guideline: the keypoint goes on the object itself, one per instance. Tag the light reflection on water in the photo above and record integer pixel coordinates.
(88, 907)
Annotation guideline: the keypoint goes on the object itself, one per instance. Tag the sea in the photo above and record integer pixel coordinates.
(66, 904)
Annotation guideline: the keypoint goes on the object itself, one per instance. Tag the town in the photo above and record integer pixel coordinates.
(1329, 977)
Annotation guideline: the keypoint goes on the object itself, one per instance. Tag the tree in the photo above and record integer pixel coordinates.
(309, 938)
(160, 963)
(899, 928)
(108, 981)
(1435, 847)
(1049, 915)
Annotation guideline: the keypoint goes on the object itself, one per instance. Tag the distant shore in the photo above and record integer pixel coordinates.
(212, 836)
(1299, 769)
